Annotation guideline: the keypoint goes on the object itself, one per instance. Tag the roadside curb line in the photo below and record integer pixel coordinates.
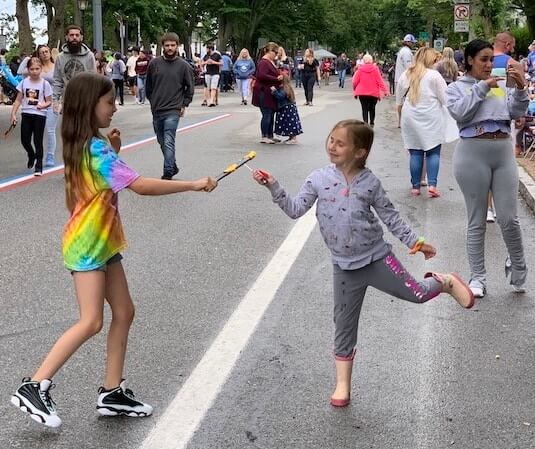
(526, 187)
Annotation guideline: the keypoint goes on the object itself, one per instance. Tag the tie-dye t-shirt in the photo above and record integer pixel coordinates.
(94, 232)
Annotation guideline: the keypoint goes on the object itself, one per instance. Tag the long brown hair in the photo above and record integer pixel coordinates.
(79, 125)
(288, 89)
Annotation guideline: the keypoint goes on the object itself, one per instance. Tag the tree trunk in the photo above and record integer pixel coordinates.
(55, 10)
(23, 21)
(529, 11)
(186, 41)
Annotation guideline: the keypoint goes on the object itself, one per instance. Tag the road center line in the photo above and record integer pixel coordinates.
(26, 179)
(185, 413)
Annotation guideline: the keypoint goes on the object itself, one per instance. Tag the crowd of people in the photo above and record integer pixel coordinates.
(480, 94)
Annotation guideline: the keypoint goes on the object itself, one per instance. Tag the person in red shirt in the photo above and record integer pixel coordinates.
(326, 70)
(368, 87)
(142, 65)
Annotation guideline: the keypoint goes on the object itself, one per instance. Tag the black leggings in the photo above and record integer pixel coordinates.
(119, 89)
(33, 125)
(308, 79)
(368, 107)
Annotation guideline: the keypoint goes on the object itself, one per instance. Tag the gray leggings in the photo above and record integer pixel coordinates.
(387, 275)
(480, 166)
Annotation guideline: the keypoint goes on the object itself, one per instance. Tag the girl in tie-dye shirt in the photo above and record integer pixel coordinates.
(92, 241)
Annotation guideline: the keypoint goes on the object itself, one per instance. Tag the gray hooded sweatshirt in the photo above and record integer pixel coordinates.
(347, 223)
(67, 65)
(471, 102)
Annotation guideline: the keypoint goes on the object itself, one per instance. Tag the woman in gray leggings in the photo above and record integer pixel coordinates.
(483, 161)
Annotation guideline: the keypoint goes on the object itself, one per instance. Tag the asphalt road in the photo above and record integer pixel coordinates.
(426, 376)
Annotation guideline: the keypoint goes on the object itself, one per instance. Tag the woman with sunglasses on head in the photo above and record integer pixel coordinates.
(267, 75)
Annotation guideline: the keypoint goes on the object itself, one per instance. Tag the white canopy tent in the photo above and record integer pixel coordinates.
(322, 53)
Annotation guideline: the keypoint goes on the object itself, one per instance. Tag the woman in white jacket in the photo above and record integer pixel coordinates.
(421, 92)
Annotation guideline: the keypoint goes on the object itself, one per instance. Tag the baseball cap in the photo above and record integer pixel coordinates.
(409, 38)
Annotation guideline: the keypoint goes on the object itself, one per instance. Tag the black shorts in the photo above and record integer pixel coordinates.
(131, 80)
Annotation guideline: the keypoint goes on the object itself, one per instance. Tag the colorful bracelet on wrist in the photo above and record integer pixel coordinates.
(417, 246)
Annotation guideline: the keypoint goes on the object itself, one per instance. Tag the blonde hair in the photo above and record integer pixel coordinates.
(244, 54)
(309, 55)
(367, 58)
(448, 63)
(282, 54)
(423, 60)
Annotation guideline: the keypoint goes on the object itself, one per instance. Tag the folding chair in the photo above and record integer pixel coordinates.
(529, 141)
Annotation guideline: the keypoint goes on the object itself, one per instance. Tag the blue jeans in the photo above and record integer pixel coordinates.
(141, 88)
(51, 121)
(165, 129)
(298, 77)
(268, 122)
(432, 158)
(341, 78)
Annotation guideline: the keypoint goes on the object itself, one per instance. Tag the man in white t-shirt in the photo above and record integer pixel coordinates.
(131, 75)
(403, 61)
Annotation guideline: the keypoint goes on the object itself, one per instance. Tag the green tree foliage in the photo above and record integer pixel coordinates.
(341, 25)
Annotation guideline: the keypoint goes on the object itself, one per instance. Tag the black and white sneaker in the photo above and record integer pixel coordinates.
(121, 401)
(34, 398)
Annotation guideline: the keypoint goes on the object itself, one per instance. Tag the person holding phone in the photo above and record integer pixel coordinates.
(483, 162)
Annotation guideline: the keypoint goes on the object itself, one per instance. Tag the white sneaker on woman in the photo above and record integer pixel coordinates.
(478, 292)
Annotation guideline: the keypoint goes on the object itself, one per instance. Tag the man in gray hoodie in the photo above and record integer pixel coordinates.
(74, 58)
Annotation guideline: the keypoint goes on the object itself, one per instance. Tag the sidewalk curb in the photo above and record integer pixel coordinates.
(526, 187)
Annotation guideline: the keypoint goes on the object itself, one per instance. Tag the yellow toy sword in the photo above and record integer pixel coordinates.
(233, 167)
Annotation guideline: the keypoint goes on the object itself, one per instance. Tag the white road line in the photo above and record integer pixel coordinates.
(187, 410)
(59, 168)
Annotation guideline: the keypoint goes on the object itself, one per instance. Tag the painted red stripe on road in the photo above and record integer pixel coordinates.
(48, 172)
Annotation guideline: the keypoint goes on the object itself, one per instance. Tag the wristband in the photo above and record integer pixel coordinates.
(417, 246)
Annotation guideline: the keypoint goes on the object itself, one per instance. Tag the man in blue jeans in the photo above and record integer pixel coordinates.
(169, 87)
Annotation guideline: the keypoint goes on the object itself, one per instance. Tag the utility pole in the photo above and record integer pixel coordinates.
(138, 32)
(97, 25)
(122, 33)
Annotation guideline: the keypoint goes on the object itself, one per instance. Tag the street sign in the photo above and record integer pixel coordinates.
(461, 16)
(423, 36)
(461, 26)
(461, 12)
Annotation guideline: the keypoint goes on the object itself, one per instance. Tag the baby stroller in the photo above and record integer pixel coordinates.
(9, 83)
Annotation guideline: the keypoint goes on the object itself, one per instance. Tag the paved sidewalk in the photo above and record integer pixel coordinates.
(526, 172)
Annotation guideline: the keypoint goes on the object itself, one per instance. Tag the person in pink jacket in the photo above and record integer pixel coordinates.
(369, 87)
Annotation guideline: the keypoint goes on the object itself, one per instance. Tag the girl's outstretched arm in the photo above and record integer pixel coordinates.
(153, 186)
(293, 207)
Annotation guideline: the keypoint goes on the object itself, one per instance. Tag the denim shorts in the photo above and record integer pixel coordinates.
(113, 259)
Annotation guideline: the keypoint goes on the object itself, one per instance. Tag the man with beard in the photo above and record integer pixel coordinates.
(169, 87)
(74, 58)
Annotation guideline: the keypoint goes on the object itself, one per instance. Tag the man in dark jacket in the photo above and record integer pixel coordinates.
(169, 87)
